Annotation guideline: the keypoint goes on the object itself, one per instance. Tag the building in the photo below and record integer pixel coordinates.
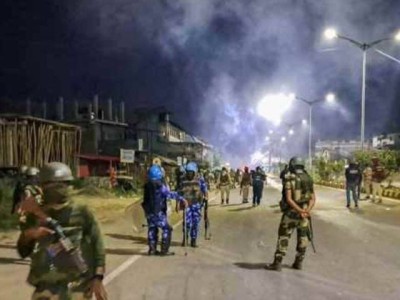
(158, 135)
(339, 149)
(386, 141)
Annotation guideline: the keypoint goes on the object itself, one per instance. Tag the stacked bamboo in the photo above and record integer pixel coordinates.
(33, 142)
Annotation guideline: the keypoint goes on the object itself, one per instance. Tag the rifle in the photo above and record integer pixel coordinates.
(310, 234)
(206, 221)
(63, 254)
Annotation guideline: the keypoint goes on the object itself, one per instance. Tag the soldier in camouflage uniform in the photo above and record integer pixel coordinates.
(54, 273)
(194, 190)
(297, 205)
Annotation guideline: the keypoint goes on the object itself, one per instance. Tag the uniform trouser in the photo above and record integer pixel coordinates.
(257, 193)
(368, 188)
(376, 190)
(154, 222)
(245, 192)
(286, 228)
(225, 191)
(61, 292)
(351, 192)
(193, 218)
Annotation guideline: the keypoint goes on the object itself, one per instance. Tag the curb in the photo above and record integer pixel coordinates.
(387, 194)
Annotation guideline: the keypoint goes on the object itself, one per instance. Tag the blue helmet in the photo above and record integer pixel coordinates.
(155, 173)
(191, 167)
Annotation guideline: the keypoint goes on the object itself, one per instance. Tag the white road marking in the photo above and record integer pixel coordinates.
(125, 265)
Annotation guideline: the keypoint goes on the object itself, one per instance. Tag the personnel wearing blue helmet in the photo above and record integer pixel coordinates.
(194, 190)
(156, 194)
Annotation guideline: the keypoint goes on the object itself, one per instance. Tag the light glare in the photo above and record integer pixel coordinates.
(304, 122)
(330, 97)
(330, 34)
(397, 36)
(273, 106)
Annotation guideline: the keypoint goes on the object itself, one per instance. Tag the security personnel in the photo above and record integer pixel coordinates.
(194, 190)
(156, 194)
(19, 188)
(225, 185)
(353, 180)
(62, 278)
(245, 184)
(258, 185)
(300, 199)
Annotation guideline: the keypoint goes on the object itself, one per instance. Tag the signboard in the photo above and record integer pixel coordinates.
(127, 155)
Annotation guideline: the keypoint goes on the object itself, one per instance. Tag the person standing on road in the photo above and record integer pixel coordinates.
(194, 190)
(300, 200)
(378, 176)
(367, 176)
(353, 180)
(225, 185)
(258, 185)
(68, 260)
(245, 185)
(156, 194)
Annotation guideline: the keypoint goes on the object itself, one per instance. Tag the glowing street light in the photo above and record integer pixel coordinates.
(283, 139)
(331, 34)
(304, 122)
(330, 98)
(291, 131)
(397, 36)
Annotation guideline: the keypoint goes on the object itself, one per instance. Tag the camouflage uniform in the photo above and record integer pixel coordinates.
(301, 186)
(59, 280)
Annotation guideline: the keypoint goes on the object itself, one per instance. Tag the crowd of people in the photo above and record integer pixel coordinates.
(66, 247)
(370, 179)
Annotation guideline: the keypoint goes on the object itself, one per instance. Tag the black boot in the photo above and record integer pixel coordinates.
(227, 201)
(153, 250)
(298, 263)
(276, 265)
(193, 243)
(165, 247)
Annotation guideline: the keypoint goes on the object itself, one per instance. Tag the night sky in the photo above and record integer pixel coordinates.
(207, 61)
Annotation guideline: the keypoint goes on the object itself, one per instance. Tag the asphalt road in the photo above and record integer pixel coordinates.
(357, 256)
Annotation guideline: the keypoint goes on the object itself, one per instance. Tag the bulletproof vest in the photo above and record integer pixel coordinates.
(224, 179)
(302, 187)
(46, 267)
(191, 191)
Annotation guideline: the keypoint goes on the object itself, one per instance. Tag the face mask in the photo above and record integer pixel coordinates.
(56, 194)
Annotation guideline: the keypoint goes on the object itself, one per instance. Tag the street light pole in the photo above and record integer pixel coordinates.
(364, 73)
(332, 34)
(310, 106)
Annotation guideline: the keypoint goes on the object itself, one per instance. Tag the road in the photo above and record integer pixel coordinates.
(357, 256)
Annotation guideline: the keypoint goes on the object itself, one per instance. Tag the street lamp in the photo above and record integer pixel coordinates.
(332, 34)
(330, 98)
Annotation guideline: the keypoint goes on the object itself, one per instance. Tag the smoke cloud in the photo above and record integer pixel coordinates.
(211, 61)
